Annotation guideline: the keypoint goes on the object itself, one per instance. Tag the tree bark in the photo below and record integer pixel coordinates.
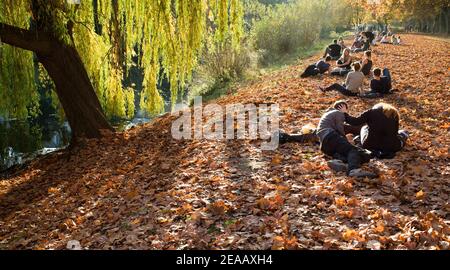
(73, 86)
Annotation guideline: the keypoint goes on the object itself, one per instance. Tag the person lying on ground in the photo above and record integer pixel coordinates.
(334, 143)
(334, 50)
(321, 67)
(380, 133)
(385, 40)
(380, 85)
(367, 63)
(353, 83)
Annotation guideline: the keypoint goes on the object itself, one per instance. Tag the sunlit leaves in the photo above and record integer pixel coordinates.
(165, 35)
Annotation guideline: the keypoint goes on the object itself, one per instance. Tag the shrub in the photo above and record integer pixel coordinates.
(289, 28)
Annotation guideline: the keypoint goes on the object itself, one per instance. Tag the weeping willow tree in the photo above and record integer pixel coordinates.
(86, 47)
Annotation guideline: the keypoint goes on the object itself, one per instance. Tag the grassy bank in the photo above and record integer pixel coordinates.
(222, 88)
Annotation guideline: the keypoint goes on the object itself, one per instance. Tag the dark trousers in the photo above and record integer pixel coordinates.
(342, 89)
(363, 138)
(337, 146)
(387, 74)
(298, 138)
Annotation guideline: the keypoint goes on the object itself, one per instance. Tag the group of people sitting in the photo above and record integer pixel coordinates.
(377, 130)
(377, 136)
(356, 71)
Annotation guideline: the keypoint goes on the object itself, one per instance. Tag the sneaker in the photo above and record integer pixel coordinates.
(359, 173)
(283, 137)
(337, 165)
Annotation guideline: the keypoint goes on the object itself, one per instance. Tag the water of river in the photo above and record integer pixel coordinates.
(21, 141)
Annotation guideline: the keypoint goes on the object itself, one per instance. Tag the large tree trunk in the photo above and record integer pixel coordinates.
(73, 86)
(75, 92)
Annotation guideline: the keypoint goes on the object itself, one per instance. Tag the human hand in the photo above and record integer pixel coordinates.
(342, 108)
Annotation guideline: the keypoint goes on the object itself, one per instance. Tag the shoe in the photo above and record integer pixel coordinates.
(337, 165)
(282, 137)
(322, 89)
(359, 173)
(340, 157)
(404, 135)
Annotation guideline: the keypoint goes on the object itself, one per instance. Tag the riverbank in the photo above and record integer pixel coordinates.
(141, 189)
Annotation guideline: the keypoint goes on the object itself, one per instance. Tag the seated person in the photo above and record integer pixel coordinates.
(353, 83)
(379, 85)
(342, 43)
(394, 40)
(357, 43)
(398, 41)
(334, 143)
(320, 67)
(346, 60)
(370, 36)
(381, 133)
(367, 63)
(365, 46)
(379, 37)
(333, 50)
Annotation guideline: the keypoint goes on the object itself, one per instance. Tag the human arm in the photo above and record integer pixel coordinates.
(357, 121)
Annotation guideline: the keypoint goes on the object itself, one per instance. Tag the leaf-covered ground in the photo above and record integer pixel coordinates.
(143, 190)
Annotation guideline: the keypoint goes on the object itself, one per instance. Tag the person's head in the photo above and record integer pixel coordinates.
(388, 110)
(335, 41)
(341, 105)
(368, 54)
(377, 73)
(328, 59)
(356, 66)
(347, 52)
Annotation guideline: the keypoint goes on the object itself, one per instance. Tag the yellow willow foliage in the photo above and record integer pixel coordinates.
(18, 95)
(167, 35)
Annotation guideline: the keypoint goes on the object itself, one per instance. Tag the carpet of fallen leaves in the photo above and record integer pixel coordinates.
(143, 190)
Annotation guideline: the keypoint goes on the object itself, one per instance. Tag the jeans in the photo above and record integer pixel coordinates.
(337, 146)
(342, 89)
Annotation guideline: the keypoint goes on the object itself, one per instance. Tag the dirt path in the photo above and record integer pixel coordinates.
(143, 190)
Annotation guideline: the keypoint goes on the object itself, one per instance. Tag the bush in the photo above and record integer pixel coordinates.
(222, 64)
(289, 28)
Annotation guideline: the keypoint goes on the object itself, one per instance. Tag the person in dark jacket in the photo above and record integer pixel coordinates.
(367, 63)
(369, 35)
(380, 133)
(333, 142)
(380, 85)
(321, 67)
(334, 50)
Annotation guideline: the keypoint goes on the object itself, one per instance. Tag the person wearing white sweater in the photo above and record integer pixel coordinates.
(353, 83)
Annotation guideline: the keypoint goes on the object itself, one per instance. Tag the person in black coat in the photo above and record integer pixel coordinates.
(380, 132)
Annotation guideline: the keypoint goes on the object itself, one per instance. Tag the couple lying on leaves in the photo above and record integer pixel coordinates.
(378, 136)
